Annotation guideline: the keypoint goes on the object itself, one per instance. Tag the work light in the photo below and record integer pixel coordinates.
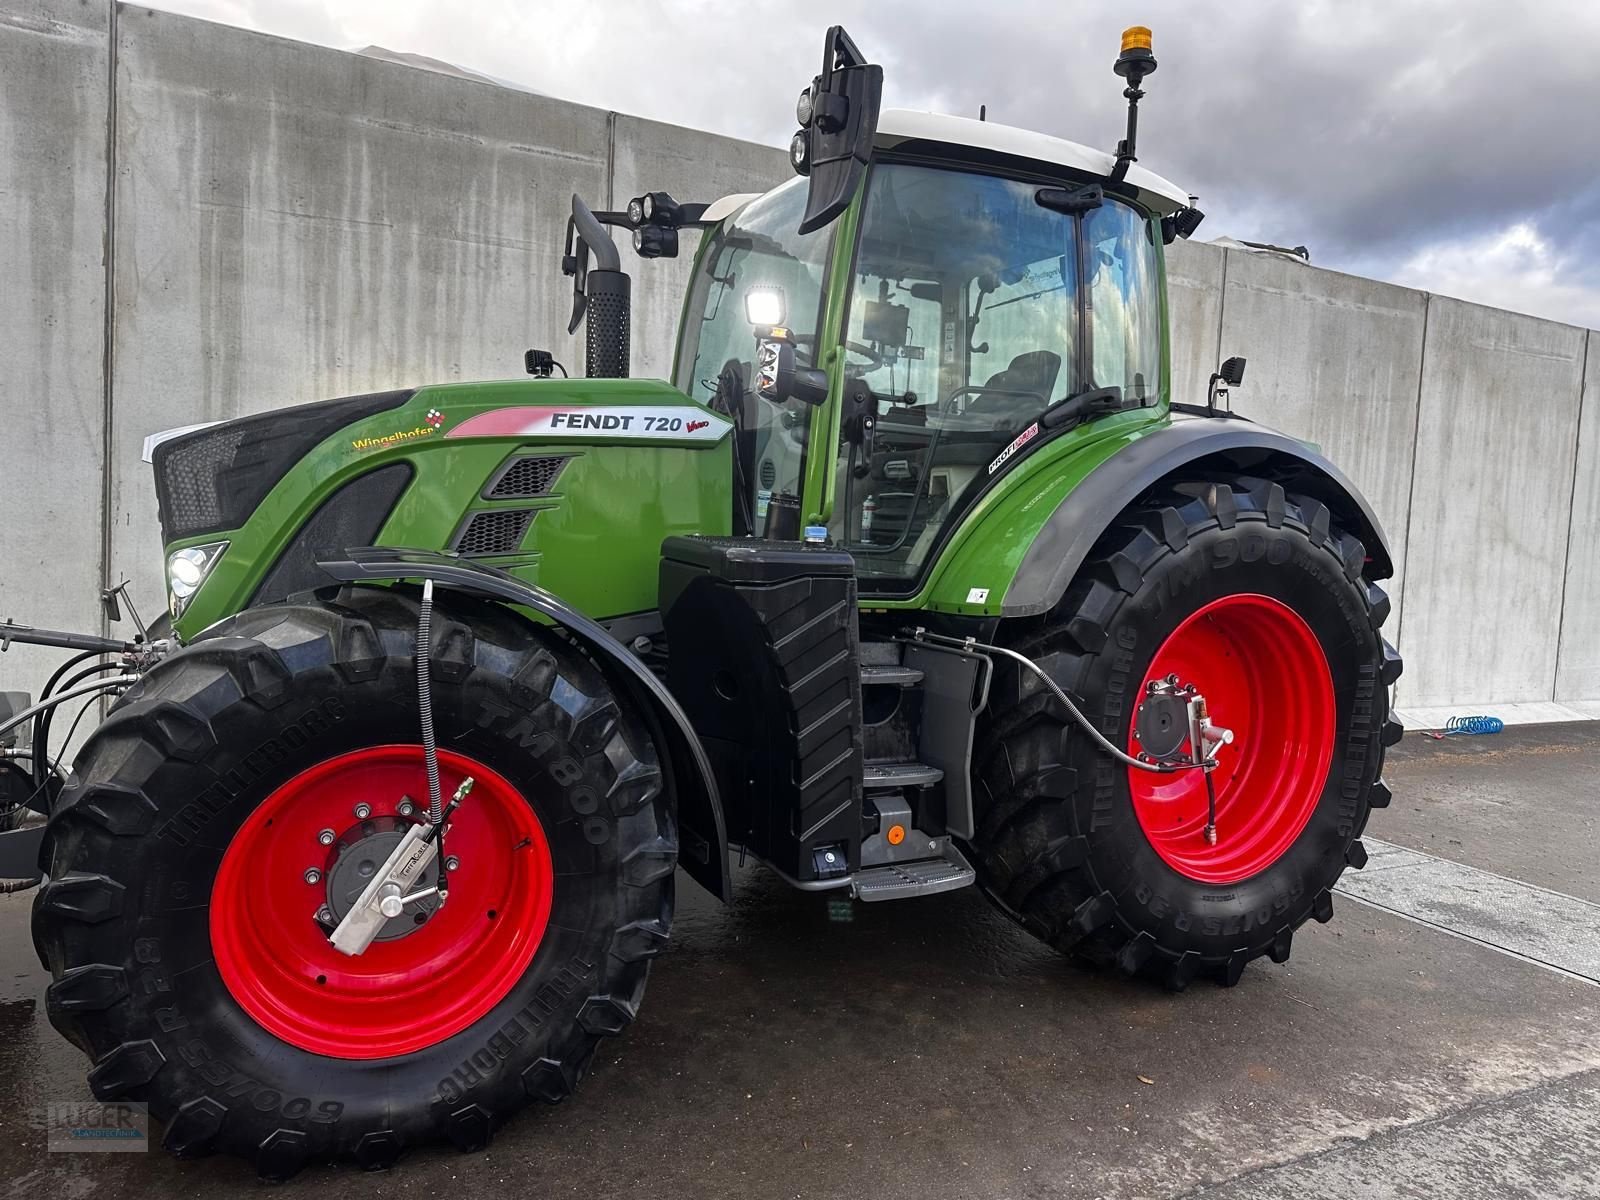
(764, 306)
(655, 241)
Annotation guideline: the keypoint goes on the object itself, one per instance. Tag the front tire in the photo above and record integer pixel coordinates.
(179, 919)
(1259, 598)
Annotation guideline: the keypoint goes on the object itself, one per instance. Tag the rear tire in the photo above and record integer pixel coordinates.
(138, 925)
(1062, 845)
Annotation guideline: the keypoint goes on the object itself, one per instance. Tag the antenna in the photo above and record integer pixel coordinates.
(983, 112)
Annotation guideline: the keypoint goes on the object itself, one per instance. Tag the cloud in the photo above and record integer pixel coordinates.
(1376, 132)
(1517, 268)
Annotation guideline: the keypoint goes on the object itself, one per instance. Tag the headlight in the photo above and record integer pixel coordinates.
(186, 571)
(802, 108)
(800, 153)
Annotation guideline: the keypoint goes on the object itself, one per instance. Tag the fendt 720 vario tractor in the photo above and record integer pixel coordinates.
(914, 577)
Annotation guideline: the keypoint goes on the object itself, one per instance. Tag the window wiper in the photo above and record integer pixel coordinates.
(1081, 405)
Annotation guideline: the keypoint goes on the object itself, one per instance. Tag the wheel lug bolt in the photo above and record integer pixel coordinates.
(313, 875)
(407, 808)
(325, 837)
(363, 811)
(451, 863)
(325, 914)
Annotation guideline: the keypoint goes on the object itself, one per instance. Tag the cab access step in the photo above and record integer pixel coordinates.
(842, 764)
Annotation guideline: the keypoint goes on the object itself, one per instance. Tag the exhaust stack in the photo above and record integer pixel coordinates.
(603, 293)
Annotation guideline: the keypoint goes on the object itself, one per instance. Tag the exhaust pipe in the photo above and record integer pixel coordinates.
(607, 336)
(603, 293)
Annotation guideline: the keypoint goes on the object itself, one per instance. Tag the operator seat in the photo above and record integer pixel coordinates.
(1034, 372)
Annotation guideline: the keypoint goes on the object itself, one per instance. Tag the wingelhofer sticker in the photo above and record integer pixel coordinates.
(1017, 443)
(591, 422)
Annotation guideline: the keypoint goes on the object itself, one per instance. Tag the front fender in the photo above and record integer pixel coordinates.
(704, 852)
(1068, 534)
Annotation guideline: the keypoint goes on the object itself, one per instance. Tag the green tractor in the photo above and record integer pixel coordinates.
(915, 577)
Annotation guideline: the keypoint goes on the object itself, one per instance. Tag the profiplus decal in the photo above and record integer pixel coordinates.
(592, 422)
(1017, 443)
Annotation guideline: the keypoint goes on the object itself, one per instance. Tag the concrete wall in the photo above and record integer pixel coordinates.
(1491, 507)
(53, 89)
(1335, 360)
(288, 223)
(1578, 660)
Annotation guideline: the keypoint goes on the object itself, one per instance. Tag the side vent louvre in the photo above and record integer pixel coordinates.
(499, 531)
(524, 478)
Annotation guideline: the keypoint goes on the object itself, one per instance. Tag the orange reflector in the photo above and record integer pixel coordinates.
(897, 834)
(1136, 37)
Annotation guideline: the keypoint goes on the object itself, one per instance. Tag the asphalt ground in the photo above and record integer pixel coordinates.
(1440, 1037)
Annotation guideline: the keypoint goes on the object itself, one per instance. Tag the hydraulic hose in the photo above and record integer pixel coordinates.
(969, 644)
(430, 747)
(100, 685)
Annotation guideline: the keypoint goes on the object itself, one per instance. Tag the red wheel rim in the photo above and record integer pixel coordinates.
(1264, 675)
(400, 995)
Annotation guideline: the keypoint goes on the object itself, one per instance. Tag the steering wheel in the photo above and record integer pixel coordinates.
(873, 357)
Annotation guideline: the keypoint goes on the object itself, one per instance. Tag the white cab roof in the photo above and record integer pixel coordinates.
(898, 125)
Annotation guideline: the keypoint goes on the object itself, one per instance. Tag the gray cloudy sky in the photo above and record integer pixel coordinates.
(1452, 145)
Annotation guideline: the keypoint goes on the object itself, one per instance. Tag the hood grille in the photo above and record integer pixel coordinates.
(213, 479)
(495, 531)
(525, 478)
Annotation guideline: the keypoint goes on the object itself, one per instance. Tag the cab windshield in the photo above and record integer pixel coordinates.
(973, 310)
(761, 251)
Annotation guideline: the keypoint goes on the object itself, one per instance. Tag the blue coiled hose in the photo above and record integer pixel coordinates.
(1471, 726)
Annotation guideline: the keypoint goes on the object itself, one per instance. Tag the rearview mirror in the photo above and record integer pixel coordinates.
(838, 115)
(779, 379)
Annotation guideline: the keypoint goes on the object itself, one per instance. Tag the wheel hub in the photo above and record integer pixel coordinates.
(287, 873)
(1253, 664)
(356, 857)
(1162, 723)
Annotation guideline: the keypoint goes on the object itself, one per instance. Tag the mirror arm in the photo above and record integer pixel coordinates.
(810, 385)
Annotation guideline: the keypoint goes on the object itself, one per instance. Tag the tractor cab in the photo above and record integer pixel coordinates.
(985, 289)
(932, 300)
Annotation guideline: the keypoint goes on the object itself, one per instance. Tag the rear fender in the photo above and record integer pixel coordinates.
(704, 847)
(1179, 450)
